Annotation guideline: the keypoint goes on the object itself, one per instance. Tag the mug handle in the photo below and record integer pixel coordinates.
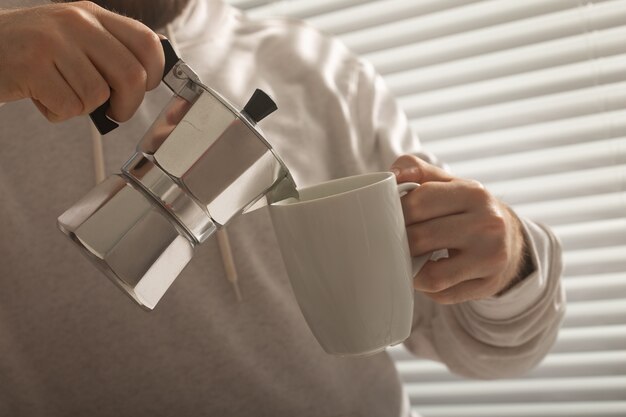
(417, 261)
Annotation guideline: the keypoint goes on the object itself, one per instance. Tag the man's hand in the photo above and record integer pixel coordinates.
(483, 237)
(70, 58)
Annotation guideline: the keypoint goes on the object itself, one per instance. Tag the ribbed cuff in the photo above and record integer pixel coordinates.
(528, 292)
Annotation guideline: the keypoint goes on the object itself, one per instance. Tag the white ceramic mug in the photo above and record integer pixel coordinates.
(346, 251)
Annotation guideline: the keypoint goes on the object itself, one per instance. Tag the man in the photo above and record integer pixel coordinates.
(73, 345)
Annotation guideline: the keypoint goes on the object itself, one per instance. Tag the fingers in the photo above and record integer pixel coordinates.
(125, 75)
(445, 273)
(480, 236)
(127, 55)
(477, 252)
(70, 57)
(473, 289)
(456, 279)
(485, 241)
(449, 232)
(438, 199)
(141, 41)
(410, 168)
(54, 97)
(90, 87)
(138, 64)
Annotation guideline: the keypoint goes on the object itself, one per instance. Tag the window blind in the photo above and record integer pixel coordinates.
(528, 97)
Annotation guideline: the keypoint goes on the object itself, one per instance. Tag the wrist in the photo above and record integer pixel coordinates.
(521, 264)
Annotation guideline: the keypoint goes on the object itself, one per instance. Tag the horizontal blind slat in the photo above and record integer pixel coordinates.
(559, 52)
(498, 38)
(547, 161)
(554, 365)
(503, 391)
(595, 286)
(611, 179)
(301, 8)
(248, 4)
(377, 13)
(528, 409)
(537, 136)
(517, 87)
(523, 112)
(592, 338)
(463, 19)
(575, 209)
(596, 313)
(573, 339)
(593, 234)
(593, 261)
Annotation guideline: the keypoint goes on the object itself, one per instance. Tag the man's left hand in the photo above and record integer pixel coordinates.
(483, 237)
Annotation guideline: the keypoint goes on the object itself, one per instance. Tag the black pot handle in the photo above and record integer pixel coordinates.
(99, 115)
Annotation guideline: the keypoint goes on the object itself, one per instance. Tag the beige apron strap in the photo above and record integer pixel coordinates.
(98, 154)
(227, 260)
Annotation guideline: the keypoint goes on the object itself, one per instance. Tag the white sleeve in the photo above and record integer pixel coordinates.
(499, 336)
(495, 337)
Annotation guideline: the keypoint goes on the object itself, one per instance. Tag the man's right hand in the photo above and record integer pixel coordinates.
(70, 58)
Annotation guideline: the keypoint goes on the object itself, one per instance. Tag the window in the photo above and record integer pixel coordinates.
(528, 97)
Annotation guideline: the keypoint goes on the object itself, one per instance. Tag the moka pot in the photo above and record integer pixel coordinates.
(201, 163)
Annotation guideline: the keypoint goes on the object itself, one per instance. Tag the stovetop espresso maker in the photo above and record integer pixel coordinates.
(200, 164)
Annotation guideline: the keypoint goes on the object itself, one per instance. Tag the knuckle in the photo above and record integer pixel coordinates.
(74, 14)
(496, 220)
(66, 108)
(87, 5)
(50, 116)
(477, 191)
(53, 118)
(492, 231)
(71, 108)
(439, 285)
(496, 224)
(120, 115)
(475, 184)
(406, 160)
(101, 93)
(135, 77)
(415, 165)
(98, 94)
(432, 283)
(435, 297)
(153, 51)
(149, 41)
(442, 298)
(419, 168)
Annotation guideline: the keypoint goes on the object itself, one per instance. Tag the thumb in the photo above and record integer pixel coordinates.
(410, 168)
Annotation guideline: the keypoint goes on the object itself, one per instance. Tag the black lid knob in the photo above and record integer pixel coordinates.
(259, 106)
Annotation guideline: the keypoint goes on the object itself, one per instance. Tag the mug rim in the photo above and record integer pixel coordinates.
(377, 178)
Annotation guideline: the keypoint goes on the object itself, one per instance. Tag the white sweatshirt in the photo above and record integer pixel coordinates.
(71, 344)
